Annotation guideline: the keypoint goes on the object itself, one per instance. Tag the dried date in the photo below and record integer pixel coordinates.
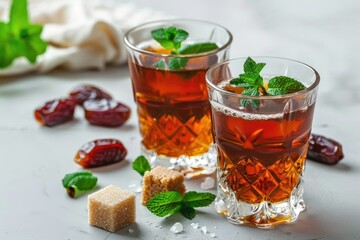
(100, 152)
(55, 112)
(105, 112)
(86, 92)
(324, 150)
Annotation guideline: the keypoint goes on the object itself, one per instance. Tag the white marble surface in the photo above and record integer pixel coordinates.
(323, 33)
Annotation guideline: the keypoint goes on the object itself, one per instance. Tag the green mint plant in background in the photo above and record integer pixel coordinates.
(253, 83)
(171, 38)
(19, 37)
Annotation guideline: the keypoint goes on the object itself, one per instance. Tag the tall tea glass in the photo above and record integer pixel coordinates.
(262, 143)
(172, 105)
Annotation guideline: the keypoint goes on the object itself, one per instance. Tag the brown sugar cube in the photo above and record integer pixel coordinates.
(111, 208)
(161, 179)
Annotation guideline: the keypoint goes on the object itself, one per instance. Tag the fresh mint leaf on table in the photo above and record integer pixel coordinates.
(165, 203)
(253, 83)
(78, 183)
(168, 203)
(141, 165)
(18, 37)
(198, 199)
(171, 38)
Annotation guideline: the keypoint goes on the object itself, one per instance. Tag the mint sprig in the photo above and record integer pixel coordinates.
(141, 165)
(18, 37)
(78, 183)
(171, 38)
(168, 203)
(253, 83)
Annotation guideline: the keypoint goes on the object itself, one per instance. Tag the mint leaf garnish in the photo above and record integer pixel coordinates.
(18, 37)
(171, 38)
(253, 83)
(197, 48)
(196, 199)
(281, 85)
(78, 183)
(160, 64)
(165, 203)
(250, 66)
(168, 203)
(252, 78)
(250, 92)
(177, 63)
(141, 165)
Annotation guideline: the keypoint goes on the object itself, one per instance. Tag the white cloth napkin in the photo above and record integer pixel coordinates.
(80, 35)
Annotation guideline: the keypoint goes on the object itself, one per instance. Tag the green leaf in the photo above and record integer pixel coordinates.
(197, 48)
(78, 183)
(180, 36)
(253, 79)
(254, 91)
(83, 182)
(250, 66)
(187, 211)
(141, 165)
(259, 67)
(177, 63)
(19, 38)
(169, 38)
(160, 64)
(196, 199)
(19, 17)
(161, 36)
(7, 50)
(251, 92)
(68, 177)
(165, 203)
(238, 82)
(281, 85)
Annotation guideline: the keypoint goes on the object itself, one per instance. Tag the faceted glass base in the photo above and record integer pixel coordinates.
(264, 214)
(190, 166)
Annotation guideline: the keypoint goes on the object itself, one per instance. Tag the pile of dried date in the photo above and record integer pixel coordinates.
(100, 108)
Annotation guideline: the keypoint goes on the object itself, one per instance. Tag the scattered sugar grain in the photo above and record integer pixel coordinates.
(176, 228)
(212, 235)
(194, 225)
(204, 229)
(131, 230)
(208, 183)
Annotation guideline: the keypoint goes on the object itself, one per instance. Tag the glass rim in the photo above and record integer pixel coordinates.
(239, 95)
(134, 48)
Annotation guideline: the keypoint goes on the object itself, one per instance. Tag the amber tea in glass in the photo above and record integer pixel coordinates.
(261, 148)
(172, 105)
